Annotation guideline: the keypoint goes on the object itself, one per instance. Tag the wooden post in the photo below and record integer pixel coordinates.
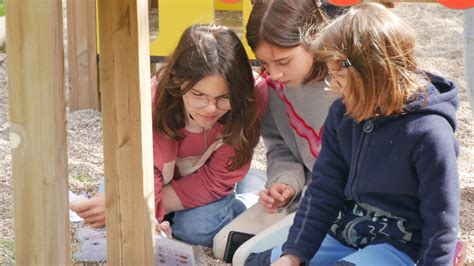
(126, 111)
(152, 4)
(82, 50)
(38, 131)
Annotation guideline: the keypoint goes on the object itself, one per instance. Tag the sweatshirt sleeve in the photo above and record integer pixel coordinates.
(164, 156)
(439, 192)
(210, 182)
(165, 152)
(282, 166)
(159, 210)
(324, 197)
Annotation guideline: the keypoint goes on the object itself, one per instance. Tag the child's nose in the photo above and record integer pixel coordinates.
(276, 75)
(211, 106)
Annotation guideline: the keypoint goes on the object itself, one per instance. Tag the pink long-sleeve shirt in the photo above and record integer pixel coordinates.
(196, 167)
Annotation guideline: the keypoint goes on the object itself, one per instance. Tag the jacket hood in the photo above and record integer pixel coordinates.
(441, 99)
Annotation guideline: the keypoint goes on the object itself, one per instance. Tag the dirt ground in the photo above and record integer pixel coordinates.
(439, 36)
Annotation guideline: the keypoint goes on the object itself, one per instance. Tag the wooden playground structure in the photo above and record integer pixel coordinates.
(38, 118)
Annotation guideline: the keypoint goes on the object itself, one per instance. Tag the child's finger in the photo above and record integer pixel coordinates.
(166, 228)
(99, 218)
(80, 206)
(263, 202)
(275, 193)
(270, 209)
(93, 216)
(88, 213)
(266, 197)
(78, 201)
(288, 192)
(98, 224)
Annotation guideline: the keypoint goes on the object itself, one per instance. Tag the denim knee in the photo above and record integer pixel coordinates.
(199, 225)
(253, 182)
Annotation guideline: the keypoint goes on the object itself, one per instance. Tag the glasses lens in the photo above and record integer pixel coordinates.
(197, 101)
(332, 82)
(223, 103)
(328, 81)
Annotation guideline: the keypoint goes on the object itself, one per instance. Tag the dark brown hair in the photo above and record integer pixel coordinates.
(287, 24)
(380, 47)
(205, 50)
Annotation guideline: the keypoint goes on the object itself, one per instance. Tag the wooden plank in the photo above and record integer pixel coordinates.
(81, 25)
(126, 111)
(38, 131)
(152, 4)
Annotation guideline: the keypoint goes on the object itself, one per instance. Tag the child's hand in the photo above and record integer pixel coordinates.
(165, 228)
(91, 210)
(287, 260)
(278, 195)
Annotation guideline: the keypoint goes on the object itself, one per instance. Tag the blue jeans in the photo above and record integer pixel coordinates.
(199, 225)
(332, 252)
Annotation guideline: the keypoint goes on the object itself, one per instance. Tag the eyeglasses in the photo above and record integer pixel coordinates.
(337, 76)
(201, 101)
(330, 79)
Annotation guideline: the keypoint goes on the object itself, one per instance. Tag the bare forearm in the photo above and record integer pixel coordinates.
(171, 201)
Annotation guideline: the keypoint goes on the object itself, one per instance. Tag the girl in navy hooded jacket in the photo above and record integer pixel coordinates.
(385, 186)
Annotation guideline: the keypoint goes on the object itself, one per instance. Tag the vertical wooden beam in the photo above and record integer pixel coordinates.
(38, 131)
(154, 4)
(82, 50)
(126, 111)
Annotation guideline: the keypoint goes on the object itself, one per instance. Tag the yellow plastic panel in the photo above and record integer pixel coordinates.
(174, 17)
(228, 4)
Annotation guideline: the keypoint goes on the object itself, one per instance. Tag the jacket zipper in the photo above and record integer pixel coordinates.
(368, 127)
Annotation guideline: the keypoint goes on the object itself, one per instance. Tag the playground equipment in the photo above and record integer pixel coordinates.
(176, 15)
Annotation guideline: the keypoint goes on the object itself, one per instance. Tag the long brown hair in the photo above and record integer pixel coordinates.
(380, 48)
(287, 24)
(205, 50)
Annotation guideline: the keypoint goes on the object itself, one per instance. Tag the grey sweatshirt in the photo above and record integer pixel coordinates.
(291, 131)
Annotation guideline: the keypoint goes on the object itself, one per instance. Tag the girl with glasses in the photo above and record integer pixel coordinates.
(206, 123)
(385, 188)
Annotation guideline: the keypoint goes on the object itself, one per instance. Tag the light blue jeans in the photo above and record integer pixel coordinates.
(332, 252)
(198, 226)
(469, 53)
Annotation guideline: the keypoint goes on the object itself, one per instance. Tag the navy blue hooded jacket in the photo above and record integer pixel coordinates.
(398, 172)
